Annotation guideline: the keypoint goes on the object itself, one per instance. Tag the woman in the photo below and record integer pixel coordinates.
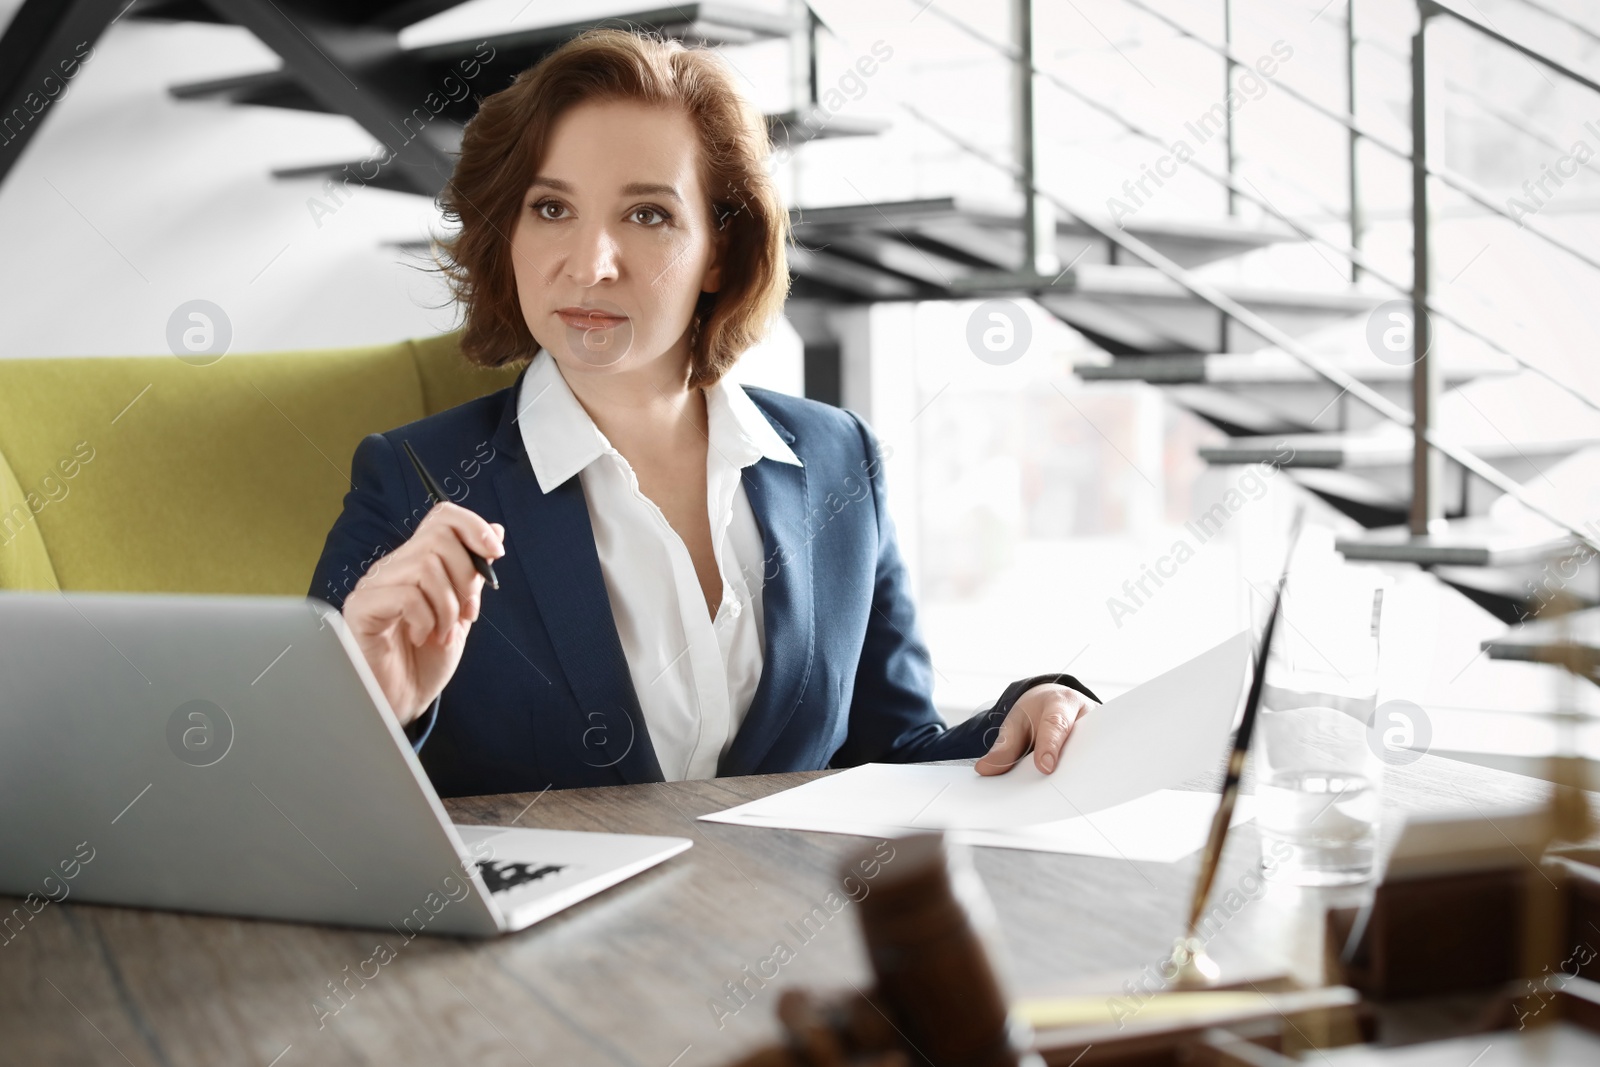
(695, 579)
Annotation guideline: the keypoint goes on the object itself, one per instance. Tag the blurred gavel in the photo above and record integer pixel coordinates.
(938, 998)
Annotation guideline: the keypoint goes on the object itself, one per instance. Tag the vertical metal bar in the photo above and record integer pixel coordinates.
(1022, 17)
(1227, 88)
(1038, 214)
(811, 52)
(1350, 107)
(1427, 466)
(1223, 318)
(803, 59)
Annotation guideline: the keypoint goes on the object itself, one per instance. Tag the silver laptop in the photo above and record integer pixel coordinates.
(235, 755)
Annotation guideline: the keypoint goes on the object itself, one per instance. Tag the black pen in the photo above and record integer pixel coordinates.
(436, 494)
(1194, 967)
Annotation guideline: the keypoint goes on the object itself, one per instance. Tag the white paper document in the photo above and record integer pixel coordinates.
(1159, 827)
(1126, 755)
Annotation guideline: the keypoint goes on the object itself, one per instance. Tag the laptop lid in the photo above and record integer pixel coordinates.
(216, 754)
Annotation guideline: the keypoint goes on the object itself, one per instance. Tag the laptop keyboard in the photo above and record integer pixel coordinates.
(502, 876)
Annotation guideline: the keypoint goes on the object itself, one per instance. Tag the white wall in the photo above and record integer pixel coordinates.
(128, 203)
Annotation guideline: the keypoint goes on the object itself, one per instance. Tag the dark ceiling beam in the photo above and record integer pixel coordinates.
(43, 49)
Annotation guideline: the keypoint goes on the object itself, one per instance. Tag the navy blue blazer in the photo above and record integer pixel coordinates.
(542, 696)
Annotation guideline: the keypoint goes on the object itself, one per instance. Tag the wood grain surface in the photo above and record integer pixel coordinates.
(642, 973)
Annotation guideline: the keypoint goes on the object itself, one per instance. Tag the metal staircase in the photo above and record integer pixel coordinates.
(952, 249)
(1369, 438)
(1375, 446)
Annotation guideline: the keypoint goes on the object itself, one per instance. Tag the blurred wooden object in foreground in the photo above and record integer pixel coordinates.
(1449, 948)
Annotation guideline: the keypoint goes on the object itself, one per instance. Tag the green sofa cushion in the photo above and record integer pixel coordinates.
(24, 561)
(222, 478)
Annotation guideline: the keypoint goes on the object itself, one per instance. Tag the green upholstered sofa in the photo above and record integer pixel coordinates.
(152, 474)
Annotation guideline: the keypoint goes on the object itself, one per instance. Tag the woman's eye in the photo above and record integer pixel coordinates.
(662, 216)
(538, 209)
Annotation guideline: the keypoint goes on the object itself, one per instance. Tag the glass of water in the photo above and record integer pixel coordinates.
(1317, 779)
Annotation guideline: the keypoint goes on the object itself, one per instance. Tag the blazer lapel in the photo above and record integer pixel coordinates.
(553, 541)
(777, 494)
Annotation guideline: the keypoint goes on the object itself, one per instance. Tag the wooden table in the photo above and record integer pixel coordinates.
(639, 975)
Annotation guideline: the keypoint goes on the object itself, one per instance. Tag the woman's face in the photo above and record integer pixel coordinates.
(615, 240)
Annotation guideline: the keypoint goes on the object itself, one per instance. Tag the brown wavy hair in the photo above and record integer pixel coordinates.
(505, 143)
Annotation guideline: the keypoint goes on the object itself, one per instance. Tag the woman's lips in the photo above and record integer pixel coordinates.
(590, 320)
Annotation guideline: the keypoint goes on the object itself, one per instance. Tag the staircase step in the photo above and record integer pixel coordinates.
(881, 264)
(1383, 459)
(1236, 416)
(1193, 244)
(954, 247)
(827, 275)
(969, 247)
(713, 24)
(1264, 368)
(1139, 309)
(1468, 542)
(988, 234)
(1367, 503)
(1551, 640)
(1516, 594)
(265, 88)
(1283, 391)
(790, 127)
(388, 14)
(1369, 451)
(1150, 285)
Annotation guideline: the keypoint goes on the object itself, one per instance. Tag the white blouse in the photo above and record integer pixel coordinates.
(694, 676)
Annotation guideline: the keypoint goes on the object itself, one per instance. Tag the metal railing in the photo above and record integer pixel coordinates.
(1427, 503)
(1352, 255)
(1466, 188)
(1431, 447)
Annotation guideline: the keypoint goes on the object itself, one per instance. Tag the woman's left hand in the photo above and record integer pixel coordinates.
(1042, 717)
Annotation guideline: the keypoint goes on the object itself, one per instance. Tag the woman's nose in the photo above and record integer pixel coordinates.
(593, 256)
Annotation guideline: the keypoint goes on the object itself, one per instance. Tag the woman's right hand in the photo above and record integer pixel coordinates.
(412, 610)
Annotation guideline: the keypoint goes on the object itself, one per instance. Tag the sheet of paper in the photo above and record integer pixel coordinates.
(1151, 738)
(1160, 827)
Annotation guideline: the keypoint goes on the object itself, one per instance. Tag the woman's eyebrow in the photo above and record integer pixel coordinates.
(631, 189)
(651, 189)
